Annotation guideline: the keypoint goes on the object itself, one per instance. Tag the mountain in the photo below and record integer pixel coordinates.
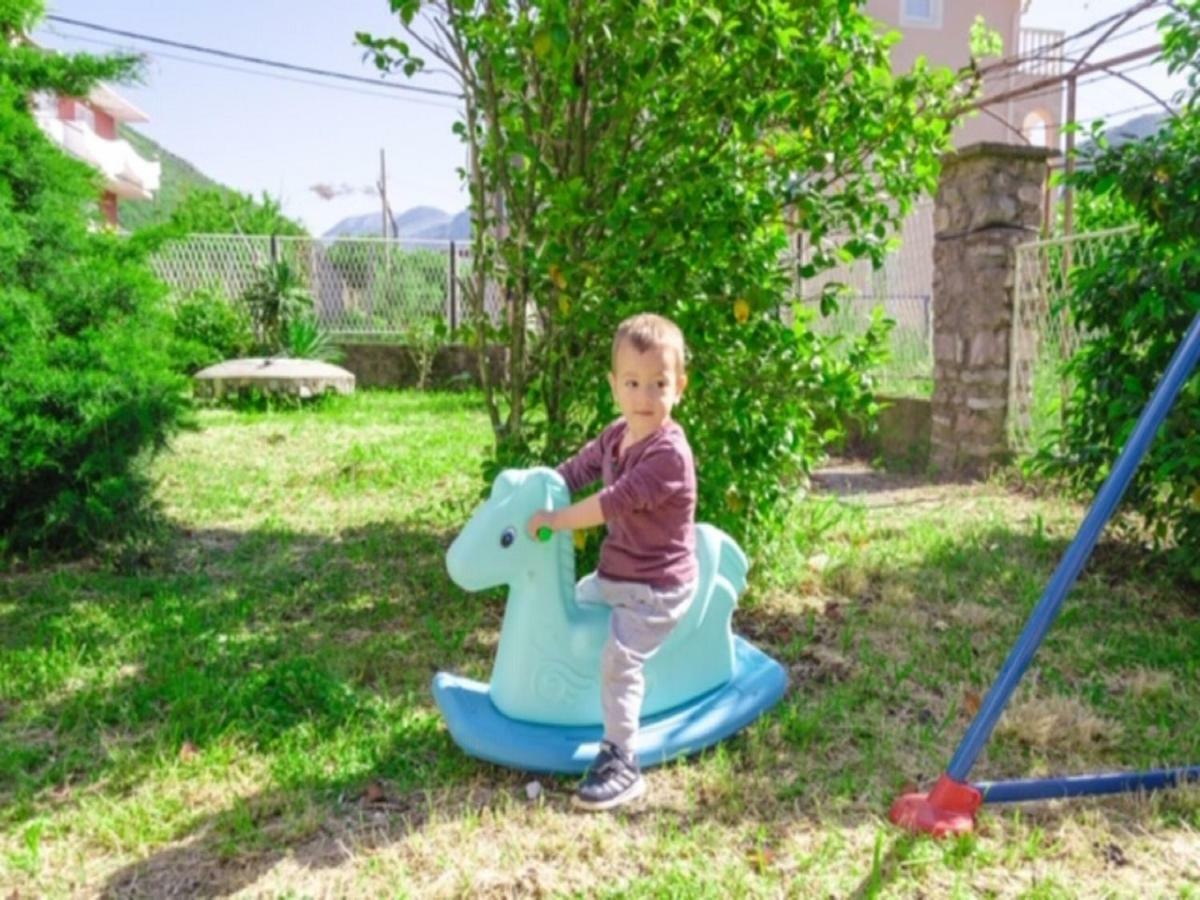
(455, 229)
(418, 223)
(1131, 130)
(178, 177)
(1136, 129)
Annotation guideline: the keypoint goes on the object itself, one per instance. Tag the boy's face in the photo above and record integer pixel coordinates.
(646, 385)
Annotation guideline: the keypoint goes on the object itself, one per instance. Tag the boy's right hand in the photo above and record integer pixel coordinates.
(543, 518)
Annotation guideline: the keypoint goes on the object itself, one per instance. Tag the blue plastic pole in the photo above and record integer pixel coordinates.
(1080, 785)
(1173, 380)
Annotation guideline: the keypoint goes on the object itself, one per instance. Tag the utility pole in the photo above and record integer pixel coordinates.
(383, 191)
(1069, 191)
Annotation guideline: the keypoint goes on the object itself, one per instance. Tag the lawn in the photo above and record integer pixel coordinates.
(243, 706)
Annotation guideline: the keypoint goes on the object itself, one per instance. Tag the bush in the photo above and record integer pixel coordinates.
(209, 329)
(1135, 304)
(85, 337)
(275, 298)
(303, 338)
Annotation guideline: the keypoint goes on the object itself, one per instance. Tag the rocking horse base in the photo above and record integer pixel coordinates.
(483, 731)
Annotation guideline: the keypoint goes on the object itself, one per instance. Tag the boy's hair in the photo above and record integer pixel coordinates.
(646, 331)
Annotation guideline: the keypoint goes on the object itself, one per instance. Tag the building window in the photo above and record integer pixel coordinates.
(927, 13)
(86, 115)
(1036, 129)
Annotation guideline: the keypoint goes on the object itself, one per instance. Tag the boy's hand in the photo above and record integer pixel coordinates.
(541, 518)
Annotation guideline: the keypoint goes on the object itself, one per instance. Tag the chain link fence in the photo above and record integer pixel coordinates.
(902, 288)
(1044, 337)
(369, 289)
(375, 289)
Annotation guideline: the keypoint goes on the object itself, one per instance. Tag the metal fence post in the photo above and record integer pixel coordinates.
(453, 286)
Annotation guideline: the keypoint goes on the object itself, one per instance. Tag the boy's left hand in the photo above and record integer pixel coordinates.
(543, 517)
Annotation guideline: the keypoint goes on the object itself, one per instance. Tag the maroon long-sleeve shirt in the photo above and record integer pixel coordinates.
(648, 501)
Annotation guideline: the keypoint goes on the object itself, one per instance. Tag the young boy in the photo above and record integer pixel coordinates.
(647, 571)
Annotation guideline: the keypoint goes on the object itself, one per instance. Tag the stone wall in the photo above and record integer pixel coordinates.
(989, 199)
(392, 365)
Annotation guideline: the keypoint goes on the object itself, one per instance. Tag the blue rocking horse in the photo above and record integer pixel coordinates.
(541, 710)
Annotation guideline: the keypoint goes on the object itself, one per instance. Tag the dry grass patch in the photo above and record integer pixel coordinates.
(1141, 682)
(1056, 724)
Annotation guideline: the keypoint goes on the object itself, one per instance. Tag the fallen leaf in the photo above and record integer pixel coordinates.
(760, 858)
(971, 702)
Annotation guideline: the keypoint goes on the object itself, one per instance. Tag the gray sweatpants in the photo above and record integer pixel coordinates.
(642, 618)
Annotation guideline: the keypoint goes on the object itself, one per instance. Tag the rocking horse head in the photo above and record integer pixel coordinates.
(494, 547)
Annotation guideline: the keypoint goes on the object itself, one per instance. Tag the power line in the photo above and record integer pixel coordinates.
(256, 60)
(208, 64)
(1119, 112)
(1096, 77)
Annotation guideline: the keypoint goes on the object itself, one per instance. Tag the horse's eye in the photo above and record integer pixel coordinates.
(508, 536)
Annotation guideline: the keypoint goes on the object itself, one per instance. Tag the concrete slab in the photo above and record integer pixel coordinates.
(302, 378)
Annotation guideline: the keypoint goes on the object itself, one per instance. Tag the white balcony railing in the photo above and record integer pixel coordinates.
(126, 173)
(1041, 52)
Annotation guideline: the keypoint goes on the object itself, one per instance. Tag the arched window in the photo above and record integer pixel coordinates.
(1036, 128)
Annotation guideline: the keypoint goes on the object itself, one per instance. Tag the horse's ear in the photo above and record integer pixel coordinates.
(505, 484)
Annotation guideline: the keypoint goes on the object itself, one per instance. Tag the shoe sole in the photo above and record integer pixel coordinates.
(631, 793)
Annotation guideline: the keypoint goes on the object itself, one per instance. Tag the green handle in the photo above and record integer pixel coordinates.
(545, 533)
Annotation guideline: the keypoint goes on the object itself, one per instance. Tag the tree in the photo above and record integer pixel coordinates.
(222, 211)
(651, 156)
(84, 339)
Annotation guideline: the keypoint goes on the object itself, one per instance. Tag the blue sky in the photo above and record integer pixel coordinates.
(282, 134)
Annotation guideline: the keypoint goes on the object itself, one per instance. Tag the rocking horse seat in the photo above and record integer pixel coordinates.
(483, 731)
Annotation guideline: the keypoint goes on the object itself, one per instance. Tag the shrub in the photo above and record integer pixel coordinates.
(303, 338)
(1135, 305)
(275, 298)
(85, 337)
(209, 329)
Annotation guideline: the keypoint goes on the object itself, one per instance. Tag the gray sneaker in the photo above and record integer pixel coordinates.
(613, 779)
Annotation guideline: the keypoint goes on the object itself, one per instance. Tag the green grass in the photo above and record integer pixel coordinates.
(248, 709)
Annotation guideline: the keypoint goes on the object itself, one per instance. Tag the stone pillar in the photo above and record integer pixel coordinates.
(989, 200)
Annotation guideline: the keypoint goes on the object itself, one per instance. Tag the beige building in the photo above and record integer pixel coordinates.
(940, 31)
(86, 127)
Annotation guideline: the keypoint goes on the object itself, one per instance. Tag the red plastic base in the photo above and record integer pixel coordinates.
(948, 809)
